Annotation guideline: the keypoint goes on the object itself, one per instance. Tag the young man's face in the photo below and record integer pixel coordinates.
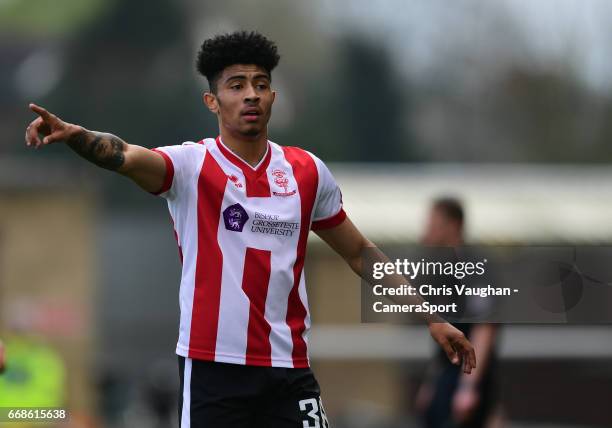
(243, 101)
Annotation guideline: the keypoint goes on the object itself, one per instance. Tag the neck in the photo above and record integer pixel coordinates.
(251, 149)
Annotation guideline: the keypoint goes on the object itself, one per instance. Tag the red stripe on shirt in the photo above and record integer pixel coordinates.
(255, 282)
(328, 223)
(169, 176)
(209, 264)
(307, 178)
(257, 184)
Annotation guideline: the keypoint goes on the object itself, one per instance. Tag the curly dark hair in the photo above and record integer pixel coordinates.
(240, 47)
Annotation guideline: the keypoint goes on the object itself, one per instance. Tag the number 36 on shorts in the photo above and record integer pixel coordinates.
(314, 413)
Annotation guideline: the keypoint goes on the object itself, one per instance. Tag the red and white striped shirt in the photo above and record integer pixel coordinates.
(242, 235)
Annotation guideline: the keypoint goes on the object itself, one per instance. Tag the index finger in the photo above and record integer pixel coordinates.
(40, 111)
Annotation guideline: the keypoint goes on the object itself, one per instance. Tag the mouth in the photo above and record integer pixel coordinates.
(251, 114)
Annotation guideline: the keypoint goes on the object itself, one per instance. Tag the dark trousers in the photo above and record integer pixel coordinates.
(238, 396)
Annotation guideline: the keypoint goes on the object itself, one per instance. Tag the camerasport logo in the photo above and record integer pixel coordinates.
(281, 180)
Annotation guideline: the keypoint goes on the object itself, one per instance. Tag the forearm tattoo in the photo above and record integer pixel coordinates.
(104, 150)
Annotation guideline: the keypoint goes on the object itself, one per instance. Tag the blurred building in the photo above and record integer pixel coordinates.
(48, 279)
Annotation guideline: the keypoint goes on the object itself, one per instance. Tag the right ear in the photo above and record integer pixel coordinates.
(211, 102)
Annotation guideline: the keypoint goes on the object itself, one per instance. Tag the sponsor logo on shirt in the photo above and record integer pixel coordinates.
(281, 180)
(235, 217)
(271, 224)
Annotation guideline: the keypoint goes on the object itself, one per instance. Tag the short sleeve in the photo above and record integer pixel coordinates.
(179, 164)
(328, 211)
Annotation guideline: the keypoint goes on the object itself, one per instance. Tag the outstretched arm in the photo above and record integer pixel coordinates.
(348, 241)
(145, 167)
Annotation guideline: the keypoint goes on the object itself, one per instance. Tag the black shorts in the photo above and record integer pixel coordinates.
(221, 395)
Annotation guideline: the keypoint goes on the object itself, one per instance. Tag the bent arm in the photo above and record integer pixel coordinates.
(349, 242)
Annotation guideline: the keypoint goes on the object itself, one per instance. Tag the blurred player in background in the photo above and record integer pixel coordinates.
(242, 208)
(448, 398)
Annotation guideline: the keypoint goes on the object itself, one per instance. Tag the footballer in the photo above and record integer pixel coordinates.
(242, 208)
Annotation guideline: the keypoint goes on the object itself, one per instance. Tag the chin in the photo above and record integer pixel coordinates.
(251, 132)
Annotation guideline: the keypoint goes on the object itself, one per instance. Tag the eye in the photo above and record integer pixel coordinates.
(236, 86)
(262, 86)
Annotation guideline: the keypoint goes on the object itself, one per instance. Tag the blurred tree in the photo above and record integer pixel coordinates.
(477, 87)
(553, 117)
(45, 18)
(355, 112)
(494, 93)
(132, 73)
(126, 74)
(522, 115)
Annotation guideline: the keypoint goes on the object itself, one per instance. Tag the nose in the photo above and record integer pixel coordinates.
(251, 95)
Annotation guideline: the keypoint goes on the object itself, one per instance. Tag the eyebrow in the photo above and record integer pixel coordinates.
(243, 77)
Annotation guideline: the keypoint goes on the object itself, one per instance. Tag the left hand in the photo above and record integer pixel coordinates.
(465, 402)
(455, 344)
